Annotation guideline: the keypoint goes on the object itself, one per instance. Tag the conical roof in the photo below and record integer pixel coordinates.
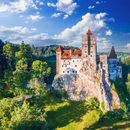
(89, 32)
(113, 54)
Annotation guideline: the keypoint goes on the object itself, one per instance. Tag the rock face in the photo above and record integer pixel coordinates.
(80, 87)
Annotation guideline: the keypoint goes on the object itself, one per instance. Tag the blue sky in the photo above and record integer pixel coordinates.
(45, 22)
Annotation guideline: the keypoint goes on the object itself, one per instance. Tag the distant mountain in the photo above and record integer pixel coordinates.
(48, 50)
(51, 50)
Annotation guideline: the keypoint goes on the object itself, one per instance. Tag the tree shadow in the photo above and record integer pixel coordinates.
(108, 121)
(30, 125)
(64, 115)
(122, 91)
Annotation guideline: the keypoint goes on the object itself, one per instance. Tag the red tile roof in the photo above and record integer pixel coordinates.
(66, 54)
(77, 52)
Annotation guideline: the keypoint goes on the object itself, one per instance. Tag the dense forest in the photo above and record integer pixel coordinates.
(28, 103)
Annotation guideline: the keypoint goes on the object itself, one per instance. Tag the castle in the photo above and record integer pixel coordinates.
(84, 74)
(87, 60)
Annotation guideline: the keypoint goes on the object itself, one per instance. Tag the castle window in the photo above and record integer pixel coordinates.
(67, 71)
(63, 71)
(75, 65)
(73, 60)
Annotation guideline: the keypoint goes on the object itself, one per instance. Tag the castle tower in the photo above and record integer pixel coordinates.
(89, 48)
(58, 60)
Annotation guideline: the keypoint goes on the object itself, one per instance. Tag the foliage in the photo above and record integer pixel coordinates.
(21, 116)
(21, 75)
(128, 83)
(3, 62)
(9, 53)
(40, 69)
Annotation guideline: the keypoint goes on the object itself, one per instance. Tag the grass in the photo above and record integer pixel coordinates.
(71, 115)
(78, 115)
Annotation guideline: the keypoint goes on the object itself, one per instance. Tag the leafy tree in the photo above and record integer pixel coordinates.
(40, 69)
(8, 78)
(21, 74)
(25, 52)
(128, 84)
(9, 54)
(21, 116)
(3, 62)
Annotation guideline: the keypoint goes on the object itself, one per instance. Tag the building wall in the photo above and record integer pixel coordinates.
(115, 70)
(70, 66)
(58, 62)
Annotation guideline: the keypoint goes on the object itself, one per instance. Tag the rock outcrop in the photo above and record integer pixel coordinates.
(80, 87)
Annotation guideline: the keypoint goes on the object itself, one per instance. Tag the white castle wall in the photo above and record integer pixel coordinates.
(115, 70)
(70, 66)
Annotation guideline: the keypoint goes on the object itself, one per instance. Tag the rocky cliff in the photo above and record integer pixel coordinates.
(81, 87)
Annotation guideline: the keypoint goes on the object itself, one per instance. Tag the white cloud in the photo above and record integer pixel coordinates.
(16, 29)
(128, 45)
(72, 35)
(19, 6)
(16, 6)
(100, 2)
(103, 44)
(69, 36)
(65, 16)
(51, 4)
(91, 7)
(15, 33)
(100, 15)
(35, 17)
(108, 33)
(64, 6)
(55, 15)
(97, 2)
(124, 47)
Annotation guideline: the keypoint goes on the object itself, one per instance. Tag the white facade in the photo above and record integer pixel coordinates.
(70, 66)
(115, 70)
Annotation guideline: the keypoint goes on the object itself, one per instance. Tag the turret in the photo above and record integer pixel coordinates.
(89, 47)
(113, 54)
(58, 60)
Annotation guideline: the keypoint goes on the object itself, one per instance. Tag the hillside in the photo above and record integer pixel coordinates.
(27, 103)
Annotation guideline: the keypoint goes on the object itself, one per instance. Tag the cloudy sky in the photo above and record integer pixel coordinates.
(45, 22)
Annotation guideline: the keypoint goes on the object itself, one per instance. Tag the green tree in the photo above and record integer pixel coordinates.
(21, 75)
(25, 52)
(3, 62)
(40, 69)
(9, 54)
(128, 83)
(21, 116)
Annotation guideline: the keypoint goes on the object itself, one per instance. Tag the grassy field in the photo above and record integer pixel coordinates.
(72, 115)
